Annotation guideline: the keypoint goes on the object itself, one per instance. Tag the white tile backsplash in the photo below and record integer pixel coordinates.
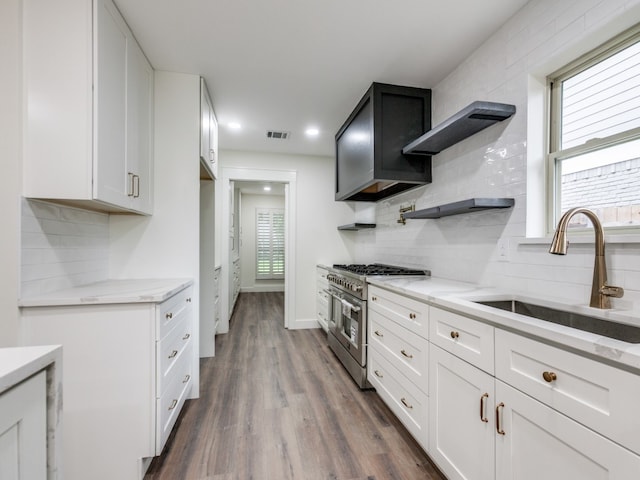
(543, 36)
(61, 247)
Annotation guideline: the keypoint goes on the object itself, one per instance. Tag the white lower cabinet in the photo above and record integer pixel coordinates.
(23, 430)
(540, 443)
(461, 417)
(545, 413)
(127, 373)
(322, 297)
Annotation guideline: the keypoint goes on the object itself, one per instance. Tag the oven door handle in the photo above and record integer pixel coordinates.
(350, 305)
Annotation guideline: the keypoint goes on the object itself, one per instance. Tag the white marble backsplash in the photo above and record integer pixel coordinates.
(61, 247)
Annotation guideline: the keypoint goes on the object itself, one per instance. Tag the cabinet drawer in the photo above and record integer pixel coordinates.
(321, 278)
(409, 313)
(599, 396)
(466, 338)
(170, 351)
(404, 349)
(170, 403)
(170, 311)
(406, 401)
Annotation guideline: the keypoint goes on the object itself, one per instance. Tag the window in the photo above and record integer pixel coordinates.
(269, 243)
(595, 135)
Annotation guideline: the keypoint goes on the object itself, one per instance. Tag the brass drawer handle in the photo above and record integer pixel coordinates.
(173, 353)
(549, 376)
(483, 408)
(378, 374)
(498, 421)
(408, 355)
(189, 300)
(377, 332)
(169, 315)
(374, 299)
(412, 316)
(405, 403)
(455, 335)
(186, 336)
(173, 404)
(186, 378)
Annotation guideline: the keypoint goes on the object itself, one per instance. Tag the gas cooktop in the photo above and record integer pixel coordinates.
(379, 269)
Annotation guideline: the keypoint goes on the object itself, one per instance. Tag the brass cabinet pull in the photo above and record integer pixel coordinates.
(454, 335)
(189, 300)
(169, 315)
(408, 355)
(378, 374)
(130, 186)
(483, 408)
(186, 378)
(412, 316)
(498, 422)
(173, 353)
(374, 299)
(405, 403)
(377, 332)
(173, 404)
(186, 336)
(136, 186)
(549, 376)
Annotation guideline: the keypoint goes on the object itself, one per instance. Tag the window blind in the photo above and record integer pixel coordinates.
(269, 243)
(602, 100)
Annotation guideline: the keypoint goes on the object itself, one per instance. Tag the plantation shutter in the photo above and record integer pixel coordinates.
(602, 100)
(269, 243)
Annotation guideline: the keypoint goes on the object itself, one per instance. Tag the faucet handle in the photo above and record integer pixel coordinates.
(611, 291)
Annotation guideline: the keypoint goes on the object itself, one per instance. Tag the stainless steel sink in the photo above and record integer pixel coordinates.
(599, 326)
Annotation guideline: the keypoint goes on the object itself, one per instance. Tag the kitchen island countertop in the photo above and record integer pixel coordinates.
(152, 290)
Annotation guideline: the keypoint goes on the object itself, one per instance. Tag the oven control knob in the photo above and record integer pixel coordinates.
(358, 288)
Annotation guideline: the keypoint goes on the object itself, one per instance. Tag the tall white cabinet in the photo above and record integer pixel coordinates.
(88, 136)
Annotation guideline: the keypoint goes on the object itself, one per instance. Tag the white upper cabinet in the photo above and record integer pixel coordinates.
(89, 107)
(208, 133)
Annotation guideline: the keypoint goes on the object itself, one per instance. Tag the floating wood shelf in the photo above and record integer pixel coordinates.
(467, 122)
(458, 208)
(357, 226)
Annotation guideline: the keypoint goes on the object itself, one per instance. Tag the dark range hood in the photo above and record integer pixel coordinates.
(370, 164)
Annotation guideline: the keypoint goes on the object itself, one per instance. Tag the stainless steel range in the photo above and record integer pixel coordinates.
(347, 335)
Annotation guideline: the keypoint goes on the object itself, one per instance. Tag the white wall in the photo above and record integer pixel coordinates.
(509, 67)
(249, 204)
(10, 161)
(317, 217)
(167, 244)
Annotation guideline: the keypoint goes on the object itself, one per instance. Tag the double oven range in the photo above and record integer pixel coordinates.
(347, 334)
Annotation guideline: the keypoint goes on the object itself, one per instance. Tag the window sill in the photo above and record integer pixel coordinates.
(584, 238)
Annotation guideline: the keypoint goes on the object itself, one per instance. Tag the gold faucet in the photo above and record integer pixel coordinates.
(600, 291)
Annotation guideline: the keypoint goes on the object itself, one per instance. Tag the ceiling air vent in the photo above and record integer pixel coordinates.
(278, 135)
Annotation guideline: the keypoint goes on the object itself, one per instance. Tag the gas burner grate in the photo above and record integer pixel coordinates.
(378, 269)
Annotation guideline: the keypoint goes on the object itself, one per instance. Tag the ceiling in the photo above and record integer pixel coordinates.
(288, 65)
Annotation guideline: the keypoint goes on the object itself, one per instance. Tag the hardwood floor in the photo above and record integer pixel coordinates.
(276, 404)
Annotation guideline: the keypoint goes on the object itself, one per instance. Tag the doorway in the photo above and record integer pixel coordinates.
(226, 234)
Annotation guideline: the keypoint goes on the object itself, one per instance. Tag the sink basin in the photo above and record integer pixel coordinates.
(599, 326)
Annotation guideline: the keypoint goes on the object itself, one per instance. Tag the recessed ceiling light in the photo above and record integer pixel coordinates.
(312, 132)
(235, 126)
(267, 188)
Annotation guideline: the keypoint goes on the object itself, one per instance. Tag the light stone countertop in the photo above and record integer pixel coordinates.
(18, 364)
(459, 297)
(152, 290)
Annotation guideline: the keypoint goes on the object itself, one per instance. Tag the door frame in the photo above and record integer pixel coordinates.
(288, 177)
